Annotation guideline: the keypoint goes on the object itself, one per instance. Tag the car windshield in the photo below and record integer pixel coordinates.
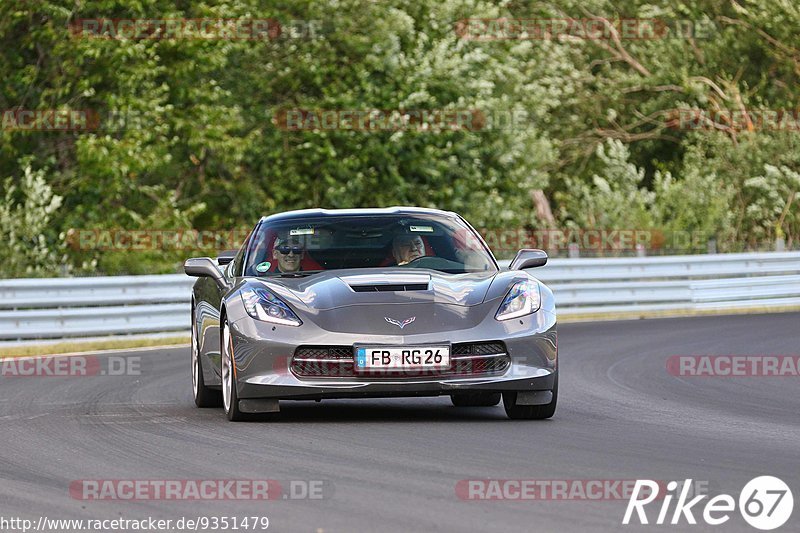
(300, 246)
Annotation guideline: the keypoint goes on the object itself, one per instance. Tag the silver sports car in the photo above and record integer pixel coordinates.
(365, 303)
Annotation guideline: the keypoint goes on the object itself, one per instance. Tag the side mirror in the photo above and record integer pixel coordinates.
(199, 267)
(226, 257)
(528, 258)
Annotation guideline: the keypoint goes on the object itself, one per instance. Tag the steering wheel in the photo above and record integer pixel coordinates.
(415, 260)
(433, 262)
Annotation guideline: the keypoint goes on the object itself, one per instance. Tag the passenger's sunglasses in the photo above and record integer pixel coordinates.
(285, 249)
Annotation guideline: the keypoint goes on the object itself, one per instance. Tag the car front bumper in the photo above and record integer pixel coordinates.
(263, 360)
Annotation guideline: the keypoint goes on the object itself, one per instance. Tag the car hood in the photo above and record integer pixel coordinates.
(343, 288)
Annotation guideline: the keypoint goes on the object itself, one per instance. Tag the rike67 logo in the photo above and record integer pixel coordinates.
(765, 503)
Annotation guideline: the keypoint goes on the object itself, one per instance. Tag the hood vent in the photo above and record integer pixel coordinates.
(388, 283)
(389, 287)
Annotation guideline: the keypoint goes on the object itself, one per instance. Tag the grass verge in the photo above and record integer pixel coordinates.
(94, 345)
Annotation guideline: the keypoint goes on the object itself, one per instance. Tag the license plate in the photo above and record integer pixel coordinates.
(402, 357)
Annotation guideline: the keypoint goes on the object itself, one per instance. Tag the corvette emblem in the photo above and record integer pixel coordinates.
(399, 324)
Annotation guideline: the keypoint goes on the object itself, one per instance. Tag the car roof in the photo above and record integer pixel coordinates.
(370, 211)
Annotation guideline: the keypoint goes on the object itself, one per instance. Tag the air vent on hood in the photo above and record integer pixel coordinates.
(387, 282)
(385, 287)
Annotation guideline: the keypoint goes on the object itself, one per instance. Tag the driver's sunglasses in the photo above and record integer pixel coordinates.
(285, 249)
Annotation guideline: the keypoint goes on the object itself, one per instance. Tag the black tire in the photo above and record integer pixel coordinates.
(476, 399)
(530, 412)
(204, 397)
(230, 398)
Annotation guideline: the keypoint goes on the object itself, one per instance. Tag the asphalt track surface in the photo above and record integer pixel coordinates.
(393, 465)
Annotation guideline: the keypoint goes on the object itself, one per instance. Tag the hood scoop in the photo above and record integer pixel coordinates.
(393, 287)
(390, 283)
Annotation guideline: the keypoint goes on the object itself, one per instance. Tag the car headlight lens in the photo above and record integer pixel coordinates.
(262, 305)
(523, 299)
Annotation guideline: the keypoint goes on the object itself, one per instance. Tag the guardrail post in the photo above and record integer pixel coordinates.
(573, 250)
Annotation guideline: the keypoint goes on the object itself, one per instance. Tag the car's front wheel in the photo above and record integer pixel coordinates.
(530, 412)
(475, 399)
(203, 396)
(230, 399)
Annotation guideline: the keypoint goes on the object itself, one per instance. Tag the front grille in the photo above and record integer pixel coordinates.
(324, 352)
(478, 348)
(316, 369)
(467, 359)
(461, 349)
(488, 365)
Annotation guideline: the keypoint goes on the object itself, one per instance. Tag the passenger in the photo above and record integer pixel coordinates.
(288, 253)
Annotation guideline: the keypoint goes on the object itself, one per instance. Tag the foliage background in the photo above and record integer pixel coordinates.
(205, 153)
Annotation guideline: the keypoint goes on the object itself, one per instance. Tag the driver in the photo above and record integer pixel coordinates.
(407, 248)
(288, 253)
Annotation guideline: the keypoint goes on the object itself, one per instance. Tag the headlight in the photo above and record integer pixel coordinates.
(262, 305)
(523, 299)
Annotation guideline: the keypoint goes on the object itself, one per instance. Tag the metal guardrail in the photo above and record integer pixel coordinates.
(84, 307)
(682, 284)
